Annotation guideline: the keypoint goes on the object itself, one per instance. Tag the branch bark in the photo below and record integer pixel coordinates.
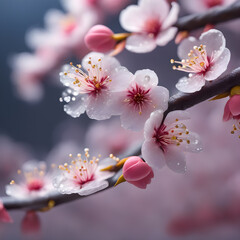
(179, 101)
(212, 16)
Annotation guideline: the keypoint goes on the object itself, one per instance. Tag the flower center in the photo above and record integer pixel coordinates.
(213, 3)
(93, 82)
(35, 185)
(138, 97)
(197, 62)
(236, 125)
(152, 27)
(174, 134)
(81, 170)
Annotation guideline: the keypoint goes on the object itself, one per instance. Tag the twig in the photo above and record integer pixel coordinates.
(212, 16)
(177, 102)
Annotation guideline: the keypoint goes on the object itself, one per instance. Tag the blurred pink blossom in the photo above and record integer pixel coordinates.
(31, 223)
(4, 216)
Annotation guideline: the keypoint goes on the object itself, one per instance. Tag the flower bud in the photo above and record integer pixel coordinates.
(232, 108)
(100, 39)
(137, 172)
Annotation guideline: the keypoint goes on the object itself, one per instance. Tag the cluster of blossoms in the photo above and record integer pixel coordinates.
(63, 36)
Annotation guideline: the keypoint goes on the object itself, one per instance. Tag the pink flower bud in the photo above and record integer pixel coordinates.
(100, 39)
(4, 216)
(232, 108)
(30, 223)
(137, 172)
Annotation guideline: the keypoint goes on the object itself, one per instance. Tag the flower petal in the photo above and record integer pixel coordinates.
(132, 18)
(76, 108)
(153, 154)
(140, 43)
(191, 84)
(172, 16)
(92, 187)
(146, 78)
(178, 114)
(215, 42)
(166, 36)
(234, 105)
(175, 159)
(152, 123)
(218, 66)
(159, 98)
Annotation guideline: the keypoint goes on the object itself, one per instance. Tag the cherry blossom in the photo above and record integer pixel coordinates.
(35, 182)
(165, 143)
(118, 142)
(151, 21)
(137, 172)
(93, 91)
(64, 31)
(204, 59)
(140, 99)
(83, 176)
(4, 216)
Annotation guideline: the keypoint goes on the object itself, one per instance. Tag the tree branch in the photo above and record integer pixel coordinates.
(179, 101)
(212, 16)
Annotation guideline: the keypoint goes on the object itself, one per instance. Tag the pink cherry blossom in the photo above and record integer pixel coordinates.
(140, 99)
(29, 70)
(63, 33)
(100, 39)
(94, 90)
(165, 143)
(82, 176)
(137, 172)
(202, 5)
(35, 182)
(100, 7)
(232, 108)
(4, 216)
(118, 140)
(204, 59)
(151, 21)
(232, 111)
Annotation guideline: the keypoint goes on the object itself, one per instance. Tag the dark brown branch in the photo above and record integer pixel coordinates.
(212, 16)
(179, 101)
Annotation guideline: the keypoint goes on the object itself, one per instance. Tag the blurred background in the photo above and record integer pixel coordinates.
(203, 204)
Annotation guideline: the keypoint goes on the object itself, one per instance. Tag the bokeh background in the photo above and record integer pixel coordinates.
(199, 205)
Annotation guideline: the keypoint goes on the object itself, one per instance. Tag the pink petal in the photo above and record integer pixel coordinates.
(172, 16)
(160, 97)
(146, 78)
(132, 18)
(215, 42)
(185, 46)
(195, 5)
(227, 114)
(152, 123)
(178, 114)
(234, 105)
(92, 187)
(166, 36)
(153, 154)
(218, 66)
(175, 159)
(155, 8)
(140, 43)
(31, 223)
(191, 84)
(4, 216)
(144, 182)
